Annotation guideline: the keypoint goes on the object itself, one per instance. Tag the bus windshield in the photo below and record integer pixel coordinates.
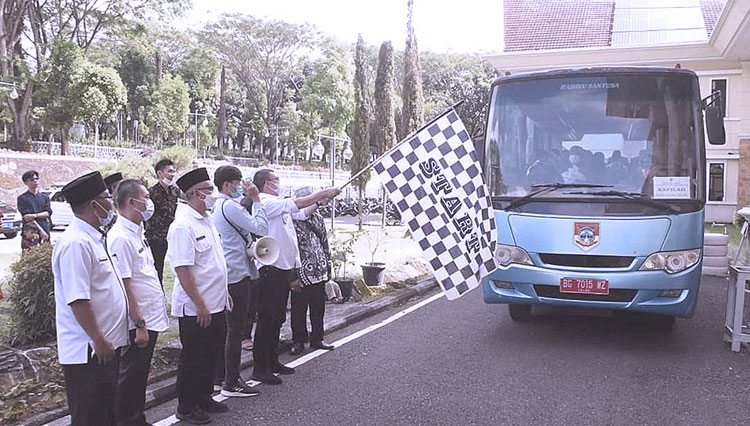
(599, 138)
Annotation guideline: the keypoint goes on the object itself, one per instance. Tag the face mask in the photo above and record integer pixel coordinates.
(168, 182)
(146, 214)
(237, 192)
(104, 222)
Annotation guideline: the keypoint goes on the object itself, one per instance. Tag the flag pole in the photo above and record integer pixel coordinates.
(394, 147)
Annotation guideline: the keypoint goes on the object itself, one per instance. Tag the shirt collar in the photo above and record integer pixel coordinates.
(128, 224)
(191, 212)
(223, 195)
(84, 227)
(264, 195)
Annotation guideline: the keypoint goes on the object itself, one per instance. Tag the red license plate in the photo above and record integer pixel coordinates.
(584, 285)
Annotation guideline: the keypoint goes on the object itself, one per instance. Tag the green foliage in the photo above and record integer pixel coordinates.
(181, 156)
(341, 249)
(412, 113)
(32, 299)
(102, 93)
(60, 76)
(171, 100)
(132, 168)
(385, 124)
(361, 132)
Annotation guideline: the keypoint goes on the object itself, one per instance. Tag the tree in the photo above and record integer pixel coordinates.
(263, 55)
(102, 95)
(168, 114)
(412, 113)
(361, 132)
(385, 124)
(13, 67)
(451, 78)
(57, 94)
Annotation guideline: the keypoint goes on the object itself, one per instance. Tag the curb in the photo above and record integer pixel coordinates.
(166, 389)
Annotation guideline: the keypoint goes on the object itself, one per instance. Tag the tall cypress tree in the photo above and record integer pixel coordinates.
(385, 123)
(361, 132)
(412, 113)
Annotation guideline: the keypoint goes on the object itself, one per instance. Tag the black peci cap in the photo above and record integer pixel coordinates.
(113, 178)
(84, 188)
(192, 177)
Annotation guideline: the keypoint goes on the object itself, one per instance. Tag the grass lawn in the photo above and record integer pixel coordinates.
(729, 229)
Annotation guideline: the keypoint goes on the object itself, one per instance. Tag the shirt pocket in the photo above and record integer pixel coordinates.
(202, 246)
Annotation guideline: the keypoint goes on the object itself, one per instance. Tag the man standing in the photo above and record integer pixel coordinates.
(164, 194)
(278, 278)
(33, 205)
(199, 297)
(148, 310)
(90, 305)
(236, 227)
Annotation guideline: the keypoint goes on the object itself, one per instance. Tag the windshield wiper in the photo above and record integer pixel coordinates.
(549, 187)
(638, 197)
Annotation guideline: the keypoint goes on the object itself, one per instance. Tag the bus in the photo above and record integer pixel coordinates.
(598, 184)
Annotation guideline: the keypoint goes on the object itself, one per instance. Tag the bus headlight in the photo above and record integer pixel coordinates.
(507, 254)
(671, 261)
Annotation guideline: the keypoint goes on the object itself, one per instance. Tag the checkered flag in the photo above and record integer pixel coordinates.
(435, 180)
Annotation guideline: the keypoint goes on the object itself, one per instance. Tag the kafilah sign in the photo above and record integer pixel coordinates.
(435, 180)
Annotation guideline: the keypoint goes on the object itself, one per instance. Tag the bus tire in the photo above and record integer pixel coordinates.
(715, 251)
(711, 239)
(519, 312)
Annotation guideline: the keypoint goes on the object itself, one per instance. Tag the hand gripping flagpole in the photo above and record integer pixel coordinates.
(394, 147)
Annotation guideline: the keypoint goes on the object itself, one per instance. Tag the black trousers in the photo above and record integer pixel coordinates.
(228, 358)
(197, 360)
(273, 293)
(252, 309)
(135, 363)
(313, 297)
(91, 392)
(159, 251)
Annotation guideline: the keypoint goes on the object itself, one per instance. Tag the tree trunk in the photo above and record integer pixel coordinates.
(359, 206)
(64, 140)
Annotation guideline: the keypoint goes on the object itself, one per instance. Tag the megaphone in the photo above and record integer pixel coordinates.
(265, 250)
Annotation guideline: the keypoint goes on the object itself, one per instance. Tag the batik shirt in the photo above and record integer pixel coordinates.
(165, 204)
(313, 250)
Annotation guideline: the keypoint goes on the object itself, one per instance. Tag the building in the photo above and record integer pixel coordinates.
(710, 37)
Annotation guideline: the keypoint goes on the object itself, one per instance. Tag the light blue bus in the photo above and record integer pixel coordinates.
(598, 179)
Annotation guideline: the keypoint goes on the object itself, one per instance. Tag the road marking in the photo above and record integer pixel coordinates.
(312, 355)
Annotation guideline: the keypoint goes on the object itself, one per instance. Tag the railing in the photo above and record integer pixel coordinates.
(81, 150)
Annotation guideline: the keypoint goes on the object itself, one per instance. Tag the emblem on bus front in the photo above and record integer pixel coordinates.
(586, 235)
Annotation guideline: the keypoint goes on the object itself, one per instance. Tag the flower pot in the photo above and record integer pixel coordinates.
(346, 289)
(373, 273)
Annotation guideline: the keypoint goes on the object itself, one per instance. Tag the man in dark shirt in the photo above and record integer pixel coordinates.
(33, 205)
(164, 195)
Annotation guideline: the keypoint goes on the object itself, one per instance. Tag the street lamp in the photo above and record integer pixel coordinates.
(13, 91)
(318, 150)
(348, 154)
(204, 123)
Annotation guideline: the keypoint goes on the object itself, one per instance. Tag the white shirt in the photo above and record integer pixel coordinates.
(280, 213)
(193, 241)
(134, 260)
(83, 270)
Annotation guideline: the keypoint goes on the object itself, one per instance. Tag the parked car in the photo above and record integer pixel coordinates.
(11, 221)
(62, 215)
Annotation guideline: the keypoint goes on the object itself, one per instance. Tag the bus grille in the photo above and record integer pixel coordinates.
(615, 294)
(588, 261)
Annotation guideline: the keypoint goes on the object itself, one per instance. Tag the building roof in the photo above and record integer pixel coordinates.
(565, 24)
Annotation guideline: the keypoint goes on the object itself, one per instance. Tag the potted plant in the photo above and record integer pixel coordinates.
(373, 272)
(340, 251)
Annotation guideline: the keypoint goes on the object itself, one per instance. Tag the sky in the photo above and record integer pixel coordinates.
(464, 26)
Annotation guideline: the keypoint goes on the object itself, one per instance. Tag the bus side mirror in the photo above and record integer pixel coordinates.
(479, 147)
(715, 125)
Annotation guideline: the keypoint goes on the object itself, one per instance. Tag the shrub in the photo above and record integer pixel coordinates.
(182, 156)
(32, 297)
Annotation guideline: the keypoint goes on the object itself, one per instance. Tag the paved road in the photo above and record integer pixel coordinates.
(467, 363)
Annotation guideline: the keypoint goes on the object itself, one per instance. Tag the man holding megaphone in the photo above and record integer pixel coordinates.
(277, 278)
(236, 228)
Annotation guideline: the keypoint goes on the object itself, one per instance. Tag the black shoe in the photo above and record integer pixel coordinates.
(297, 348)
(266, 378)
(212, 406)
(195, 417)
(239, 389)
(321, 345)
(282, 369)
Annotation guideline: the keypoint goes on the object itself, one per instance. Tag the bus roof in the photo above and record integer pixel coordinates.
(576, 72)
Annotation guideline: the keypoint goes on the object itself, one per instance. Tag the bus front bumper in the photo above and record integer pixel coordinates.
(654, 292)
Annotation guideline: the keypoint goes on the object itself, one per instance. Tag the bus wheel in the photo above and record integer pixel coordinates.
(519, 312)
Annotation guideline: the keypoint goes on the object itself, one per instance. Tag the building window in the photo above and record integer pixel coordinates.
(716, 182)
(721, 86)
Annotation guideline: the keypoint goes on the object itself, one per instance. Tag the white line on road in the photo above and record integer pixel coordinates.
(312, 355)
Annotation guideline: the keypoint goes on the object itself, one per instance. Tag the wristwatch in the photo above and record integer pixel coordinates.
(140, 323)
